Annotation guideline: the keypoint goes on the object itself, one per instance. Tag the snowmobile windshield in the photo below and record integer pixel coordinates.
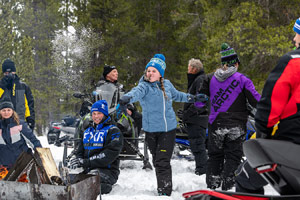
(111, 93)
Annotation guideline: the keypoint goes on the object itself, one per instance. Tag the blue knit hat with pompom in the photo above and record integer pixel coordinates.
(100, 106)
(158, 62)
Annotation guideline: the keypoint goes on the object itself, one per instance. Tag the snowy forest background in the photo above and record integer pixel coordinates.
(61, 46)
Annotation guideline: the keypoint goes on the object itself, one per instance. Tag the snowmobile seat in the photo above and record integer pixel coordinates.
(277, 162)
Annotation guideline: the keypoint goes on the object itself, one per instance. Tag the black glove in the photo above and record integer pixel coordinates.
(197, 98)
(79, 162)
(30, 121)
(201, 98)
(76, 163)
(124, 100)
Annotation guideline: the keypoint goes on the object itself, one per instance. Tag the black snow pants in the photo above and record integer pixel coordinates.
(225, 154)
(107, 179)
(197, 137)
(161, 146)
(248, 180)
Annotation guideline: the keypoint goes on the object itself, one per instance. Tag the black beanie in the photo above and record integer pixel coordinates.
(8, 66)
(6, 104)
(107, 69)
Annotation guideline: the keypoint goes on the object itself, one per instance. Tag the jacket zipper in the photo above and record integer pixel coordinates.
(164, 105)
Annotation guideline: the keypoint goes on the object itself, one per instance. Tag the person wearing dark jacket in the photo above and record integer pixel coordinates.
(107, 88)
(111, 90)
(13, 132)
(279, 102)
(195, 117)
(98, 151)
(19, 93)
(229, 93)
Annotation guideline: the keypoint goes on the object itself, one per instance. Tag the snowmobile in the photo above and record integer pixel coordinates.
(276, 161)
(182, 144)
(124, 122)
(60, 131)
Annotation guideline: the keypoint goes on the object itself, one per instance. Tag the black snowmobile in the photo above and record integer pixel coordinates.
(276, 161)
(61, 131)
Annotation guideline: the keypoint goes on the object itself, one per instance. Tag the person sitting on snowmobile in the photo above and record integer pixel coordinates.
(98, 151)
(279, 102)
(109, 88)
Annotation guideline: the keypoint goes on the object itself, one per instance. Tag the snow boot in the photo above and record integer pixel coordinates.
(162, 192)
(200, 172)
(228, 183)
(213, 182)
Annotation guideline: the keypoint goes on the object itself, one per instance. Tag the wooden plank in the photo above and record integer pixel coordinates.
(46, 162)
(40, 168)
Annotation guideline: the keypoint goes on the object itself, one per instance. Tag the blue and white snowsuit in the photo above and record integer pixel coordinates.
(100, 149)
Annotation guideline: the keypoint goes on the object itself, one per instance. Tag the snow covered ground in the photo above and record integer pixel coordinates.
(136, 183)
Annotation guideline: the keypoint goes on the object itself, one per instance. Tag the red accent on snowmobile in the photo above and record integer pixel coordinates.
(56, 127)
(242, 197)
(266, 168)
(227, 195)
(209, 192)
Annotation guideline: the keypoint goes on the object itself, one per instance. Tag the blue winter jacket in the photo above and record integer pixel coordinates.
(101, 146)
(12, 142)
(158, 113)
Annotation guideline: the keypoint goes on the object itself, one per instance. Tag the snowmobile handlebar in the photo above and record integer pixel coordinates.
(78, 95)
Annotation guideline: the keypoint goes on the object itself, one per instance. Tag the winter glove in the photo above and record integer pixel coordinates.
(76, 163)
(201, 98)
(197, 98)
(124, 100)
(30, 121)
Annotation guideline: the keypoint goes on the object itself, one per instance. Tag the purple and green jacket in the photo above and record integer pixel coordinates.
(229, 98)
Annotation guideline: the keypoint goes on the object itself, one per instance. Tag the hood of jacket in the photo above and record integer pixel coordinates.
(222, 75)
